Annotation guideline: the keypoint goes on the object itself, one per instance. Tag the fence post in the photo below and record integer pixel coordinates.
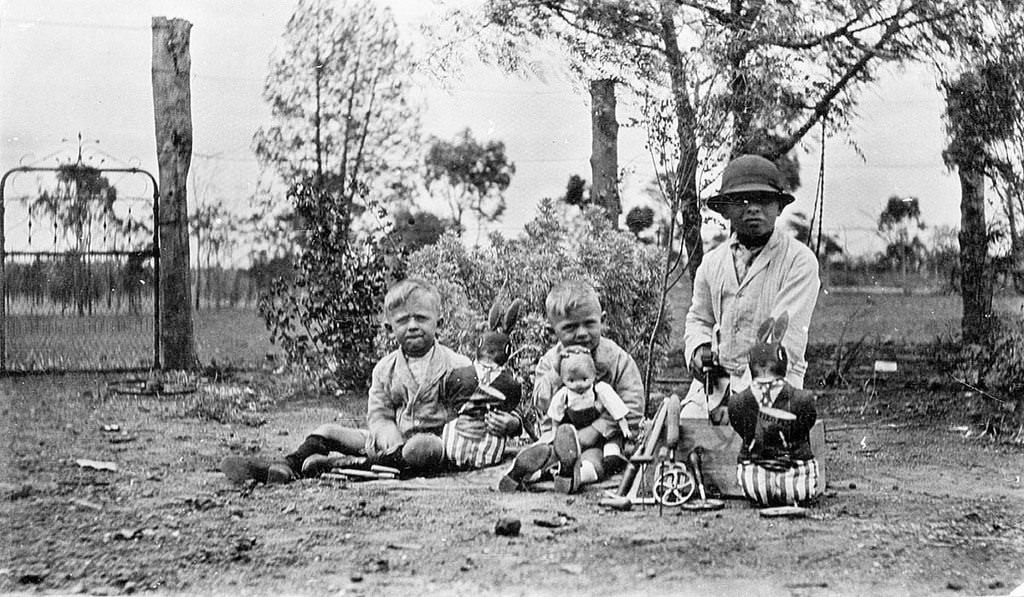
(173, 117)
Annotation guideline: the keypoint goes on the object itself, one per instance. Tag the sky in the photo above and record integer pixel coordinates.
(83, 67)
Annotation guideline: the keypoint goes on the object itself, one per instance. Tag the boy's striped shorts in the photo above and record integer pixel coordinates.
(786, 487)
(463, 451)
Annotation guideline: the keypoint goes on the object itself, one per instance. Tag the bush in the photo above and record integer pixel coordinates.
(998, 370)
(626, 273)
(327, 315)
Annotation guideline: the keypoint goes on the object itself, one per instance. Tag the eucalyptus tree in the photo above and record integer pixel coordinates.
(81, 200)
(984, 112)
(716, 78)
(342, 137)
(470, 176)
(896, 224)
(339, 93)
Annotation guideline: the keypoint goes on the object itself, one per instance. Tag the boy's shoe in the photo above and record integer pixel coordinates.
(318, 464)
(567, 453)
(239, 469)
(569, 483)
(567, 448)
(526, 463)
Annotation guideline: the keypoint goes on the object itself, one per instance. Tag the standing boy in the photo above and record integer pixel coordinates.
(574, 312)
(406, 409)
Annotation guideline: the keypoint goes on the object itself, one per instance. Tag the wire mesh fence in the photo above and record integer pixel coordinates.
(79, 270)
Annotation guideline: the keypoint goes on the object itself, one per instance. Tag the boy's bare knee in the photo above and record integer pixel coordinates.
(327, 430)
(423, 452)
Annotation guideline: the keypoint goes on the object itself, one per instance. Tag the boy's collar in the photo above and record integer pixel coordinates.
(428, 354)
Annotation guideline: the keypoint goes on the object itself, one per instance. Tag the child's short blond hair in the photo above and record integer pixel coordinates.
(567, 296)
(400, 293)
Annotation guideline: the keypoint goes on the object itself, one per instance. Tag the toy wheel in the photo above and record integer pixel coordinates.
(673, 484)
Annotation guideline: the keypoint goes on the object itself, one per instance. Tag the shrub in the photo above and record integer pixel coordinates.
(326, 316)
(626, 273)
(998, 370)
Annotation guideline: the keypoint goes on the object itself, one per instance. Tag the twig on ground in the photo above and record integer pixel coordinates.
(975, 389)
(875, 426)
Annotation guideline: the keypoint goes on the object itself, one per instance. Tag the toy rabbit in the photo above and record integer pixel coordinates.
(470, 440)
(776, 466)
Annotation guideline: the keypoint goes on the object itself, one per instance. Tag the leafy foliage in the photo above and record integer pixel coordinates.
(474, 176)
(998, 370)
(896, 222)
(326, 317)
(899, 211)
(625, 272)
(721, 78)
(413, 230)
(639, 218)
(82, 201)
(575, 192)
(801, 228)
(215, 229)
(341, 118)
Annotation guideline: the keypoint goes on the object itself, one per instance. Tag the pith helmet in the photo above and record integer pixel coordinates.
(750, 178)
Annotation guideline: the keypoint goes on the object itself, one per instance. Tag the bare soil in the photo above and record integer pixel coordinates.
(913, 507)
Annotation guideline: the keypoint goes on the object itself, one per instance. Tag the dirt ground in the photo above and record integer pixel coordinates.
(912, 507)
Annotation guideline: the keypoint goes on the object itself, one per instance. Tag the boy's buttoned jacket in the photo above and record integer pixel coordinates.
(783, 277)
(396, 396)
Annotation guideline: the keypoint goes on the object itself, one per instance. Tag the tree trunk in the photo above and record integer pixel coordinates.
(604, 161)
(1016, 250)
(903, 268)
(199, 263)
(173, 119)
(685, 183)
(975, 284)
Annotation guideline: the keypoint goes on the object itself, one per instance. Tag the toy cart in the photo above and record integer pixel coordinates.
(680, 457)
(655, 473)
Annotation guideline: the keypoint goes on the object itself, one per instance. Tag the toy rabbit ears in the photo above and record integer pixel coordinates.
(773, 329)
(503, 322)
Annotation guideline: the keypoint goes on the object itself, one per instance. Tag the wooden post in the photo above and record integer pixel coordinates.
(975, 283)
(173, 116)
(604, 161)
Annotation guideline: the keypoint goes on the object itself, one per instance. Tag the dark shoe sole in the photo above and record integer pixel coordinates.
(567, 449)
(529, 461)
(239, 469)
(569, 483)
(509, 485)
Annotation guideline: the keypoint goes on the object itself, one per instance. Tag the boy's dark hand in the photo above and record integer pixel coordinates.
(702, 357)
(502, 423)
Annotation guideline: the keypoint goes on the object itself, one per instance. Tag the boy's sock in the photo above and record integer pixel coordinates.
(588, 474)
(583, 472)
(314, 444)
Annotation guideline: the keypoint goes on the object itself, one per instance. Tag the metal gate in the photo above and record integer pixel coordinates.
(79, 270)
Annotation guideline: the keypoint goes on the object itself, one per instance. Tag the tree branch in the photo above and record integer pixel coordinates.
(560, 13)
(823, 104)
